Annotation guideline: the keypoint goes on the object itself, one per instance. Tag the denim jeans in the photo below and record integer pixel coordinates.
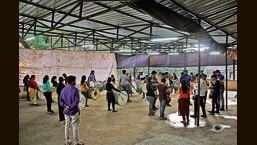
(126, 89)
(74, 122)
(162, 107)
(150, 99)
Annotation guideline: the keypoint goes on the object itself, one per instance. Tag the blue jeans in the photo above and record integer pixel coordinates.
(221, 97)
(126, 89)
(162, 107)
(150, 99)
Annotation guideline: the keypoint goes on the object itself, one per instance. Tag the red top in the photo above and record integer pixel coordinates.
(162, 91)
(33, 84)
(184, 95)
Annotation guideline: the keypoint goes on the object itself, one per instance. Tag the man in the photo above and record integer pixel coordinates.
(185, 76)
(124, 84)
(202, 93)
(69, 100)
(215, 85)
(221, 77)
(154, 84)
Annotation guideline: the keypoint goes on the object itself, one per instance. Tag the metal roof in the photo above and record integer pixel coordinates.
(113, 26)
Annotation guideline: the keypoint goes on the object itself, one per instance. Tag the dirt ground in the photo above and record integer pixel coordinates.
(129, 126)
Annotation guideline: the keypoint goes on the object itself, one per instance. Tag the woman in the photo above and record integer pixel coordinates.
(54, 81)
(47, 91)
(110, 94)
(59, 88)
(176, 83)
(183, 102)
(84, 89)
(33, 89)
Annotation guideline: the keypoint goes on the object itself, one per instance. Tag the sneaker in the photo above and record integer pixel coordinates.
(151, 114)
(204, 116)
(129, 101)
(193, 116)
(114, 111)
(210, 112)
(217, 112)
(109, 110)
(86, 105)
(51, 111)
(162, 118)
(222, 109)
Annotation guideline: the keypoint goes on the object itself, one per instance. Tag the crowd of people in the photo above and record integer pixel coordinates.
(158, 87)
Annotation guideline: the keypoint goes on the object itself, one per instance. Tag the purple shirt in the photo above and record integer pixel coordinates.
(70, 97)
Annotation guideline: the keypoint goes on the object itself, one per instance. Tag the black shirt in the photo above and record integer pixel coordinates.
(110, 88)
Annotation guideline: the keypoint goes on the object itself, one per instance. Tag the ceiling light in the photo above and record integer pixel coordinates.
(214, 53)
(164, 39)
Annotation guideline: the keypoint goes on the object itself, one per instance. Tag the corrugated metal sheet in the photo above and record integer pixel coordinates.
(219, 17)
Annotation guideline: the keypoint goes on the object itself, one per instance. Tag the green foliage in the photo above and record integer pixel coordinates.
(39, 42)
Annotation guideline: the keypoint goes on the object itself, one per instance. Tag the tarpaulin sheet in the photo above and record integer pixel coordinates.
(182, 59)
(57, 62)
(130, 61)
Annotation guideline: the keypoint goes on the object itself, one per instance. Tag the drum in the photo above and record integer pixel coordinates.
(121, 98)
(99, 85)
(104, 84)
(92, 84)
(94, 93)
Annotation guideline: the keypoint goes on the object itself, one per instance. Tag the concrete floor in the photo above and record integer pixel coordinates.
(129, 126)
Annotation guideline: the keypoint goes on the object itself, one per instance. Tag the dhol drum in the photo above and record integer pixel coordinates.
(121, 98)
(104, 84)
(94, 93)
(91, 84)
(99, 85)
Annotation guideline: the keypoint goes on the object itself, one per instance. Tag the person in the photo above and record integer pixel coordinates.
(150, 96)
(183, 102)
(69, 100)
(154, 83)
(169, 83)
(163, 95)
(33, 89)
(215, 86)
(26, 86)
(185, 76)
(65, 78)
(202, 93)
(113, 79)
(175, 81)
(110, 95)
(139, 83)
(84, 89)
(59, 88)
(47, 91)
(124, 84)
(221, 78)
(91, 79)
(54, 81)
